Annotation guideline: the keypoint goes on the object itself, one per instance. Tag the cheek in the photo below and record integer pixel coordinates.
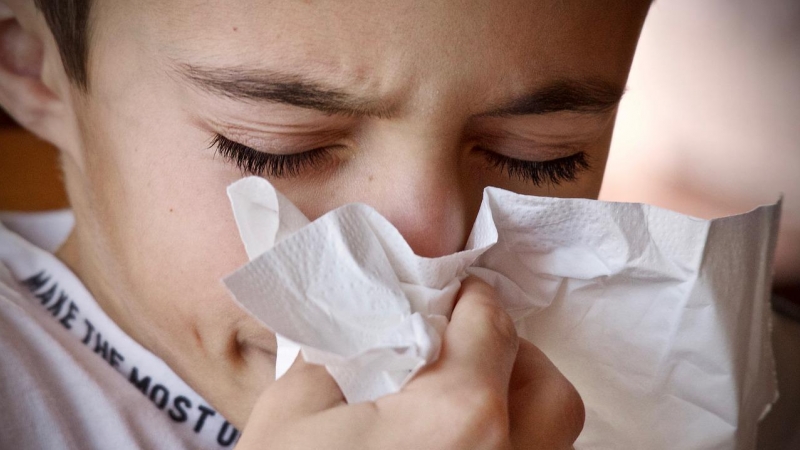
(169, 227)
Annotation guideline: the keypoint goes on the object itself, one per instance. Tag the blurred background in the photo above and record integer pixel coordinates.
(709, 126)
(30, 179)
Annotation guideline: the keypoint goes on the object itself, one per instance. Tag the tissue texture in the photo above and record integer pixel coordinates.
(660, 320)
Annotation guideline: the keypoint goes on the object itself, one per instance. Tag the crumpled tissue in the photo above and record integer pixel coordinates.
(660, 320)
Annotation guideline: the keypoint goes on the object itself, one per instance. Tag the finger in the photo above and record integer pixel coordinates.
(470, 380)
(545, 409)
(481, 341)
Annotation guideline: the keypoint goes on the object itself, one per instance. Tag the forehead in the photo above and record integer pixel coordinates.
(381, 44)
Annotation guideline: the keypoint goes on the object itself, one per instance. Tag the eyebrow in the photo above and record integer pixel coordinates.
(592, 96)
(295, 90)
(561, 95)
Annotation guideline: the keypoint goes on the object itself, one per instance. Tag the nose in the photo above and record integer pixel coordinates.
(424, 196)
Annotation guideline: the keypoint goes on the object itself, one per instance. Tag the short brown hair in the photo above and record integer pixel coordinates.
(69, 22)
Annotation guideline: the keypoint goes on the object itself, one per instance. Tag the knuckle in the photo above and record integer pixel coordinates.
(494, 321)
(504, 324)
(482, 308)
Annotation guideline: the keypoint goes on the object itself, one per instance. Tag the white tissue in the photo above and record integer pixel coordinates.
(660, 320)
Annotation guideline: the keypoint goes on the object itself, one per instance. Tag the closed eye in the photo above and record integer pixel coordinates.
(256, 162)
(539, 173)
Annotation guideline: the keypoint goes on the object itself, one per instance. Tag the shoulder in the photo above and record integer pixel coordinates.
(55, 395)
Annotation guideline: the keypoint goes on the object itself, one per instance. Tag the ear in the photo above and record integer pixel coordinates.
(34, 88)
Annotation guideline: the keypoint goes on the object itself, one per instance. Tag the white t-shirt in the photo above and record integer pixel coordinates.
(69, 376)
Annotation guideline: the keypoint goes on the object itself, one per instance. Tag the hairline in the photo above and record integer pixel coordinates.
(69, 24)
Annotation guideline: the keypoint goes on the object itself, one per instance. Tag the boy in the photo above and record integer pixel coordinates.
(411, 107)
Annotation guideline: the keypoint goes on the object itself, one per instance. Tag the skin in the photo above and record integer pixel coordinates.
(154, 233)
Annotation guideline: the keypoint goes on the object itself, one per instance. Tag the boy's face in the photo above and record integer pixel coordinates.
(412, 107)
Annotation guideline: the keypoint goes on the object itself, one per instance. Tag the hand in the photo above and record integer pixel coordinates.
(488, 390)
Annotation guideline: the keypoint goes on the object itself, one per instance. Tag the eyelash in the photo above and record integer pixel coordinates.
(259, 163)
(538, 173)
